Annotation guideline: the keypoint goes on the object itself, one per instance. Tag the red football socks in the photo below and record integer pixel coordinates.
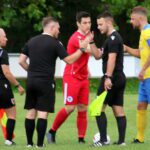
(59, 119)
(82, 123)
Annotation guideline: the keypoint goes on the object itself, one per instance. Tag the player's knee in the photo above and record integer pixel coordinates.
(10, 116)
(118, 111)
(31, 114)
(82, 108)
(142, 106)
(70, 109)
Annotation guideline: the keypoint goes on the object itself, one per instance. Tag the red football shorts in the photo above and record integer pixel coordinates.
(75, 91)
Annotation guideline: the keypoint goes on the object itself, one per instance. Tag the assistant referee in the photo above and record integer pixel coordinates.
(113, 80)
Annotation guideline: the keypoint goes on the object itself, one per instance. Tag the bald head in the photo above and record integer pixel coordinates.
(3, 38)
(1, 30)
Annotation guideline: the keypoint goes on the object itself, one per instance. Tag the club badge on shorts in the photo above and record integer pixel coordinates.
(69, 99)
(13, 101)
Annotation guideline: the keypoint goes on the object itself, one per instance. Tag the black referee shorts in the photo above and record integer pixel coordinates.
(115, 96)
(6, 95)
(40, 94)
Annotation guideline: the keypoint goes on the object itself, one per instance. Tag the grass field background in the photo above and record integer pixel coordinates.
(67, 134)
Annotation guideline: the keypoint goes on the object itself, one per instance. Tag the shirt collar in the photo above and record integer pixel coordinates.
(146, 26)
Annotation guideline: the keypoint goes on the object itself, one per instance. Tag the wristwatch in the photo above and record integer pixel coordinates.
(92, 42)
(107, 77)
(16, 86)
(82, 49)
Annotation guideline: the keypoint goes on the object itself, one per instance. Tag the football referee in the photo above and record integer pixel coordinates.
(42, 51)
(113, 79)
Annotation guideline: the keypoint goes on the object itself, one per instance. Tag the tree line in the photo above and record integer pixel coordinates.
(22, 19)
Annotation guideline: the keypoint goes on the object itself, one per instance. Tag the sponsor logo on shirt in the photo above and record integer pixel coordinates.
(69, 99)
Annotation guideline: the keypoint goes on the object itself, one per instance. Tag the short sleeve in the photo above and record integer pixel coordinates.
(25, 50)
(147, 36)
(61, 52)
(113, 44)
(4, 58)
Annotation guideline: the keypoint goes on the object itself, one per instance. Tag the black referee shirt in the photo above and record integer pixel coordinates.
(3, 61)
(113, 44)
(43, 51)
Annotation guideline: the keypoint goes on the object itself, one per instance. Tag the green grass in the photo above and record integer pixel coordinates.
(67, 134)
(131, 85)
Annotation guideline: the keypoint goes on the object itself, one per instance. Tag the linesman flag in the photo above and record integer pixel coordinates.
(96, 106)
(3, 122)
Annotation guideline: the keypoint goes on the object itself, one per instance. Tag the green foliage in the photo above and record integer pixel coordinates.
(22, 19)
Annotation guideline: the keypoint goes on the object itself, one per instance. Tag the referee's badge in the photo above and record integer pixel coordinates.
(53, 85)
(6, 86)
(112, 37)
(70, 99)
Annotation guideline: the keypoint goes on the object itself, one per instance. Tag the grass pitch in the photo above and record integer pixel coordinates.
(67, 134)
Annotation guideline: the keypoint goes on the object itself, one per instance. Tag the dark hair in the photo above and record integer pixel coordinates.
(82, 14)
(140, 10)
(105, 14)
(47, 20)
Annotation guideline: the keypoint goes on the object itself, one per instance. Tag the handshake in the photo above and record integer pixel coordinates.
(84, 45)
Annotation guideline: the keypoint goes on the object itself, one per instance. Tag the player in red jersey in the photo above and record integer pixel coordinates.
(75, 80)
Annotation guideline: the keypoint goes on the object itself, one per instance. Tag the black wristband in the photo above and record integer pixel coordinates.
(92, 42)
(107, 77)
(16, 86)
(82, 49)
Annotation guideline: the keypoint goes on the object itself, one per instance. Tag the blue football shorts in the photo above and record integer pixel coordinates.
(144, 91)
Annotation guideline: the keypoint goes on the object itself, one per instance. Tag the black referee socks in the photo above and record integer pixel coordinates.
(102, 126)
(10, 128)
(41, 130)
(29, 127)
(121, 123)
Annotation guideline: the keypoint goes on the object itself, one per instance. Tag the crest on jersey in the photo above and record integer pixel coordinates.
(112, 37)
(61, 43)
(70, 99)
(79, 37)
(53, 85)
(1, 52)
(6, 86)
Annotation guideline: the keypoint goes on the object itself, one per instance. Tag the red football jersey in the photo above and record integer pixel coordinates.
(78, 69)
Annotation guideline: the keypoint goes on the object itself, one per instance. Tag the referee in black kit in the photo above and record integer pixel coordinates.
(113, 80)
(7, 100)
(42, 51)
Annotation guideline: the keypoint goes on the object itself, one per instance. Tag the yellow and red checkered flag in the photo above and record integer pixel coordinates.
(3, 122)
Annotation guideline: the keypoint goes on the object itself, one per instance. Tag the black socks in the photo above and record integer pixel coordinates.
(10, 128)
(102, 126)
